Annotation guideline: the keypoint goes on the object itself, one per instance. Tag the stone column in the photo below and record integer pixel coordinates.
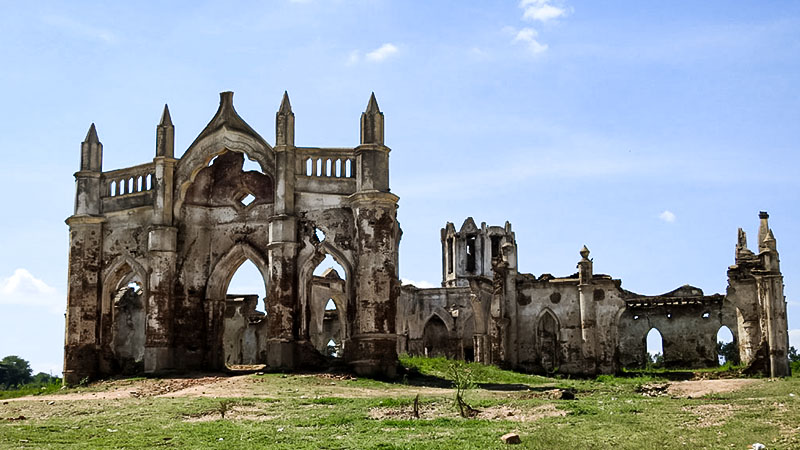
(81, 346)
(162, 246)
(372, 349)
(282, 301)
(587, 311)
(81, 356)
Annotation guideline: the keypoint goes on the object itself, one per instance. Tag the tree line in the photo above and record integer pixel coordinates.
(16, 373)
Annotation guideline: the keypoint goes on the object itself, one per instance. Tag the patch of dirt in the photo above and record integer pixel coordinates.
(709, 415)
(436, 410)
(699, 388)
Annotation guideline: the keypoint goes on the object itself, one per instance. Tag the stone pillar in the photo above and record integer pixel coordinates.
(372, 349)
(81, 355)
(282, 301)
(162, 246)
(81, 346)
(770, 292)
(587, 311)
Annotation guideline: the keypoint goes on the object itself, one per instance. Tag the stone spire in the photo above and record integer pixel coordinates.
(91, 152)
(372, 123)
(585, 268)
(284, 123)
(165, 135)
(763, 229)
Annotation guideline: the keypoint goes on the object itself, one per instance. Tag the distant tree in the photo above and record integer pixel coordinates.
(729, 351)
(793, 355)
(14, 371)
(42, 378)
(655, 360)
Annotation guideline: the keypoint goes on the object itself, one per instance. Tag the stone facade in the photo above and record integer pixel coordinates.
(586, 323)
(153, 249)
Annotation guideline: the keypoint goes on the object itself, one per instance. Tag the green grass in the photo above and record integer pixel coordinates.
(30, 390)
(311, 412)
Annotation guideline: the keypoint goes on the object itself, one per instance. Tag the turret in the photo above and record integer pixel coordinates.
(91, 152)
(87, 180)
(284, 123)
(372, 123)
(165, 135)
(763, 229)
(585, 267)
(372, 156)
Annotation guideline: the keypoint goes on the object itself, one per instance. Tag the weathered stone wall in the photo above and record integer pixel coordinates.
(181, 227)
(586, 323)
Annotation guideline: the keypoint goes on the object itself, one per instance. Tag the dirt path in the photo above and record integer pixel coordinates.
(699, 388)
(249, 386)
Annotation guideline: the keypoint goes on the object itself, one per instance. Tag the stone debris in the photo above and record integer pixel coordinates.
(511, 438)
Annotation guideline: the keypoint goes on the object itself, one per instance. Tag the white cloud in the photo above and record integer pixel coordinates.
(527, 36)
(419, 284)
(541, 10)
(22, 288)
(81, 29)
(667, 216)
(381, 53)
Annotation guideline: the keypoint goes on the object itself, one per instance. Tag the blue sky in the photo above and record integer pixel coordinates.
(649, 131)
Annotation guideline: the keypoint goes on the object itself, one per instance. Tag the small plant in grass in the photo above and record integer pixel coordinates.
(224, 407)
(463, 381)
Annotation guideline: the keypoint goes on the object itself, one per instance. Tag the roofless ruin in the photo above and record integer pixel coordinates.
(153, 249)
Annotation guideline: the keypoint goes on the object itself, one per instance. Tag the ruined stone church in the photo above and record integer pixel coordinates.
(153, 249)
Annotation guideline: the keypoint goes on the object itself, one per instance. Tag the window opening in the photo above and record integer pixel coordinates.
(470, 253)
(655, 348)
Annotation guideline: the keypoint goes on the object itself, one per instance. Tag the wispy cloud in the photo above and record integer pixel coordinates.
(382, 52)
(528, 36)
(77, 28)
(378, 55)
(667, 216)
(22, 288)
(541, 10)
(419, 284)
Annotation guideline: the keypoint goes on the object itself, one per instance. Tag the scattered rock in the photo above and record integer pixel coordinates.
(653, 389)
(757, 446)
(511, 438)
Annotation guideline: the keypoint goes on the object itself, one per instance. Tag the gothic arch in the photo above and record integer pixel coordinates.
(305, 277)
(116, 274)
(200, 154)
(225, 268)
(548, 331)
(441, 314)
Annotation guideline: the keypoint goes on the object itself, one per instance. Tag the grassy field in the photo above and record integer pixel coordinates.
(296, 411)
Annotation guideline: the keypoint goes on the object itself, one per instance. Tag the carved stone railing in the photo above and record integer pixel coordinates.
(326, 162)
(128, 188)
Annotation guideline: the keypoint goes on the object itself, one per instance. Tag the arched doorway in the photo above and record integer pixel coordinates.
(547, 337)
(245, 325)
(727, 347)
(435, 337)
(327, 305)
(654, 349)
(129, 314)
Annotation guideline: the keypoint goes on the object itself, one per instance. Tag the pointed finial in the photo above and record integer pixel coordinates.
(584, 252)
(91, 136)
(372, 106)
(166, 119)
(286, 107)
